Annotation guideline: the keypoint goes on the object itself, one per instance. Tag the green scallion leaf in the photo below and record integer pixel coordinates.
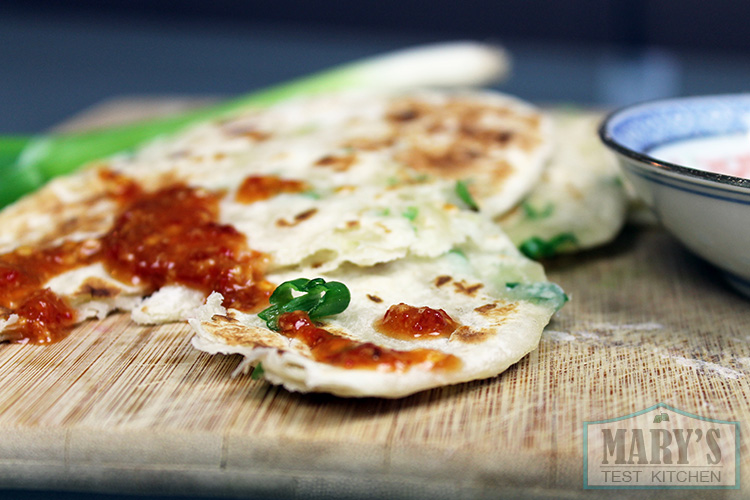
(317, 298)
(541, 293)
(411, 213)
(462, 190)
(458, 252)
(257, 372)
(534, 213)
(312, 194)
(538, 248)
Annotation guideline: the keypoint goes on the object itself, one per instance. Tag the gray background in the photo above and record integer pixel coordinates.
(57, 57)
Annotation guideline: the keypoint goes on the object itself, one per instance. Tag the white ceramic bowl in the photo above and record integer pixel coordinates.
(672, 151)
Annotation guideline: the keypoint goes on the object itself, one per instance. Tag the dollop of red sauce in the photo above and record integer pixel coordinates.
(262, 187)
(407, 322)
(172, 236)
(169, 236)
(43, 317)
(346, 353)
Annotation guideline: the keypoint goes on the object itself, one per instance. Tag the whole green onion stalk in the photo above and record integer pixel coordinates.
(26, 163)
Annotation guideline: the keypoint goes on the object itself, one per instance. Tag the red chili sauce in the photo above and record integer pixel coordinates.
(43, 316)
(170, 236)
(407, 322)
(262, 187)
(346, 353)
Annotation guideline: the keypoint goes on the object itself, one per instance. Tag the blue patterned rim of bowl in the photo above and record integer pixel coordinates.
(635, 131)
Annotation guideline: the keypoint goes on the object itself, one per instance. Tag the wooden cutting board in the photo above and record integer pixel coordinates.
(117, 407)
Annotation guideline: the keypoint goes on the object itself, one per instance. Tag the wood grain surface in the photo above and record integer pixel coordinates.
(117, 407)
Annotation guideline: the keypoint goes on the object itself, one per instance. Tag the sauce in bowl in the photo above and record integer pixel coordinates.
(724, 154)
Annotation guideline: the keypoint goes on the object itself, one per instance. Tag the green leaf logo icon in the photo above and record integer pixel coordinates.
(661, 418)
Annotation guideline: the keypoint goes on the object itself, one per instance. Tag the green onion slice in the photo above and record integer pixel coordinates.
(316, 297)
(462, 190)
(538, 248)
